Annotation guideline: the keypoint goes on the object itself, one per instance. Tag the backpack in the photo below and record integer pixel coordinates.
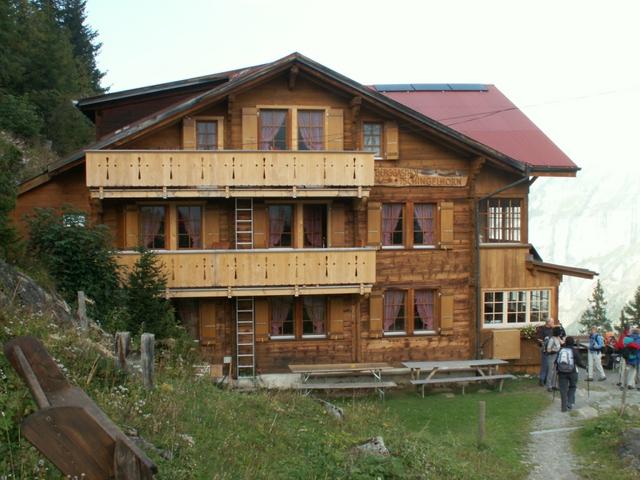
(565, 362)
(596, 342)
(629, 353)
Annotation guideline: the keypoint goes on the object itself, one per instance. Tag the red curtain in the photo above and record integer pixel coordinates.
(393, 302)
(424, 306)
(390, 216)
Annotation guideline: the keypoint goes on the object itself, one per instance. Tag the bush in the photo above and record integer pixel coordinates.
(78, 256)
(18, 115)
(10, 160)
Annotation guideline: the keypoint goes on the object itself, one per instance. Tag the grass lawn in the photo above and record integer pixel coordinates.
(597, 446)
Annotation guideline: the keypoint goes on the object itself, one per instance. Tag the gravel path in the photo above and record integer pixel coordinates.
(550, 447)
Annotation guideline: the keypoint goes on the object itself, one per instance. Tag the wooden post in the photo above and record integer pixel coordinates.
(481, 423)
(623, 403)
(146, 358)
(122, 345)
(82, 311)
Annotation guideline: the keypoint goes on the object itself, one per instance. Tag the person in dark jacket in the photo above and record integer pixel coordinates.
(568, 380)
(543, 334)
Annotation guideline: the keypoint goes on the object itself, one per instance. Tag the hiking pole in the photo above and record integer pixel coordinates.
(555, 384)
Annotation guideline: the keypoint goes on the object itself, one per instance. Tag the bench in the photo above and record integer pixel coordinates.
(463, 380)
(378, 386)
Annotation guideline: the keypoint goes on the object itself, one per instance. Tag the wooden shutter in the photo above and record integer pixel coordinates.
(338, 216)
(335, 129)
(374, 223)
(261, 312)
(211, 227)
(249, 128)
(446, 314)
(188, 133)
(131, 239)
(446, 223)
(391, 149)
(207, 321)
(259, 226)
(336, 318)
(375, 316)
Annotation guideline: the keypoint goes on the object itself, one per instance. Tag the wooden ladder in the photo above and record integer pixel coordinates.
(245, 338)
(244, 223)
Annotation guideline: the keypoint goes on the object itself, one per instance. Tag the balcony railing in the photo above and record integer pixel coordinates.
(204, 269)
(220, 171)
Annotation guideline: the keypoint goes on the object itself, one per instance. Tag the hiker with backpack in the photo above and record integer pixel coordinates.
(631, 354)
(619, 346)
(566, 365)
(596, 346)
(552, 347)
(543, 334)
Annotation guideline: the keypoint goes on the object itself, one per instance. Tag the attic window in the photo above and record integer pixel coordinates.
(207, 135)
(373, 138)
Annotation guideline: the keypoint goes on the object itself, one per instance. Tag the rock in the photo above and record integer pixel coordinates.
(334, 411)
(147, 445)
(373, 446)
(587, 412)
(18, 289)
(629, 449)
(448, 395)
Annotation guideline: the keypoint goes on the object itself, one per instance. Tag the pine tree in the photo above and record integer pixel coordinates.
(630, 314)
(147, 306)
(596, 314)
(10, 161)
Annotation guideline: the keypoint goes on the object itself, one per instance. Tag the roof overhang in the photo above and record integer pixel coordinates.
(560, 269)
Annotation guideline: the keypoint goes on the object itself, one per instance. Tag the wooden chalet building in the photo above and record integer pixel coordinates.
(303, 217)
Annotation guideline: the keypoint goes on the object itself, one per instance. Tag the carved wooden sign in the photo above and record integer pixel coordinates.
(410, 177)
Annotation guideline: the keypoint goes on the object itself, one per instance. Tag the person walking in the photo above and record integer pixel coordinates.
(543, 335)
(567, 363)
(619, 345)
(632, 345)
(596, 345)
(553, 346)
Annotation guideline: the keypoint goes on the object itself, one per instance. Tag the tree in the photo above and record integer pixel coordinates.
(10, 162)
(630, 313)
(596, 314)
(78, 256)
(147, 306)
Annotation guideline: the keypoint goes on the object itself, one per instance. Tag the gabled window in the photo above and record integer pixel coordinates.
(500, 220)
(273, 130)
(372, 138)
(310, 129)
(152, 226)
(206, 135)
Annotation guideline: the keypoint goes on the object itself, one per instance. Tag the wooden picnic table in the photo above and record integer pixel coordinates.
(485, 369)
(319, 370)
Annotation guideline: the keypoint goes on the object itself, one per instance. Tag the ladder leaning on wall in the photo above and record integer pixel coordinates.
(245, 338)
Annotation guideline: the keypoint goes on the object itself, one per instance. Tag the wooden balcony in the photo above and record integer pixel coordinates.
(195, 273)
(226, 173)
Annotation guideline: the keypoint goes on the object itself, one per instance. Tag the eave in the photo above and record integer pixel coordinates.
(560, 269)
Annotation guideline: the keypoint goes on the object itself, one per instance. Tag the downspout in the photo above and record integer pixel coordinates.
(477, 255)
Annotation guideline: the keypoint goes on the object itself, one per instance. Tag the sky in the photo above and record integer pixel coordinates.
(572, 66)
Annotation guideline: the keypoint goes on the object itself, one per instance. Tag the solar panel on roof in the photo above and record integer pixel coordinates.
(397, 87)
(468, 87)
(430, 87)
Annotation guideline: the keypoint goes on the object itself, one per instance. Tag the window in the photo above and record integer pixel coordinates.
(392, 232)
(207, 135)
(280, 226)
(310, 129)
(394, 311)
(516, 307)
(282, 323)
(303, 317)
(189, 226)
(423, 224)
(273, 130)
(373, 138)
(500, 220)
(315, 221)
(313, 316)
(424, 311)
(152, 226)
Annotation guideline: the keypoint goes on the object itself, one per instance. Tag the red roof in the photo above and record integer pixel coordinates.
(488, 117)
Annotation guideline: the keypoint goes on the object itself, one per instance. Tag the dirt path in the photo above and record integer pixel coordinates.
(550, 448)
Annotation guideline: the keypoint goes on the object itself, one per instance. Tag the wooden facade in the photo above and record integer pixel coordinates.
(392, 273)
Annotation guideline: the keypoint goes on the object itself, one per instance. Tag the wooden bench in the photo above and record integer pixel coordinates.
(463, 380)
(378, 386)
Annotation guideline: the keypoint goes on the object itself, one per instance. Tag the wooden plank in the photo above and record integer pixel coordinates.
(339, 367)
(188, 133)
(391, 147)
(375, 315)
(336, 318)
(374, 223)
(446, 223)
(343, 385)
(486, 378)
(335, 129)
(207, 321)
(446, 314)
(249, 128)
(261, 313)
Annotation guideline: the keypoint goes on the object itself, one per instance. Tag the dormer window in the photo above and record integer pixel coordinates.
(273, 130)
